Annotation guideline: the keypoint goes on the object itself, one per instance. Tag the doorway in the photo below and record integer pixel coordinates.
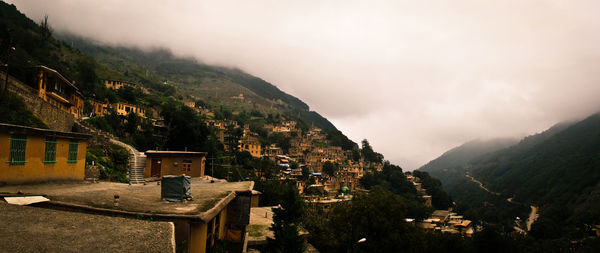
(155, 169)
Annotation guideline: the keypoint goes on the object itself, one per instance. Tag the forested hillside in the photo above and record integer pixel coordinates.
(557, 170)
(463, 154)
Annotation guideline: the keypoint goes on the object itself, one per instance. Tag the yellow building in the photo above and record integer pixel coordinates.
(250, 144)
(115, 85)
(161, 163)
(55, 89)
(98, 108)
(35, 155)
(124, 109)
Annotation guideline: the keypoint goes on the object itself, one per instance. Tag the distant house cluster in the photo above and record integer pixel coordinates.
(445, 221)
(116, 84)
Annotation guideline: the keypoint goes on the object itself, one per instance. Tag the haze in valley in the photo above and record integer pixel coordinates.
(415, 78)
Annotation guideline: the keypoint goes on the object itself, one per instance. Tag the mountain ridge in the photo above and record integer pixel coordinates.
(557, 169)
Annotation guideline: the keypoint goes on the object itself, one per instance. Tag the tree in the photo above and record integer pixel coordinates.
(186, 129)
(368, 153)
(377, 216)
(305, 173)
(440, 199)
(330, 168)
(45, 29)
(286, 220)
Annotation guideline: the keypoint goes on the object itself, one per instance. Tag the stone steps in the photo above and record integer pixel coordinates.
(137, 160)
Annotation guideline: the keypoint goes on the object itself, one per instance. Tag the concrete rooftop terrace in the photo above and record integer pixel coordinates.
(139, 200)
(34, 229)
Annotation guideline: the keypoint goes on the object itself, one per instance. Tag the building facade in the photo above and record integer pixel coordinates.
(55, 89)
(98, 108)
(124, 109)
(34, 155)
(162, 163)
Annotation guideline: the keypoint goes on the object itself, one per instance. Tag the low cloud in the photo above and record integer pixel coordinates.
(414, 77)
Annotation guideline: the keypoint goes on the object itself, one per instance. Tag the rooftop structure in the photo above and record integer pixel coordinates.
(219, 210)
(32, 229)
(161, 163)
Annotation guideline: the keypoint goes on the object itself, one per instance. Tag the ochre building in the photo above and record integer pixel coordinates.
(55, 89)
(35, 155)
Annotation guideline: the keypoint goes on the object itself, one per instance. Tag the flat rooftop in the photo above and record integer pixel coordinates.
(137, 199)
(34, 229)
(261, 219)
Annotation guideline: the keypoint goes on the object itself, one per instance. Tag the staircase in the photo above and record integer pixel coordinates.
(137, 160)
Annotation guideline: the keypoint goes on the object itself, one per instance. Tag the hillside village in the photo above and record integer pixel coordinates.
(324, 174)
(170, 172)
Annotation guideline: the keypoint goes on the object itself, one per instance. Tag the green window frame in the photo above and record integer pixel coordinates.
(50, 154)
(18, 145)
(73, 147)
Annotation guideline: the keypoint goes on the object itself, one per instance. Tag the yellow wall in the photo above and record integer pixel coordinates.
(199, 232)
(77, 107)
(98, 108)
(253, 149)
(168, 168)
(34, 169)
(222, 233)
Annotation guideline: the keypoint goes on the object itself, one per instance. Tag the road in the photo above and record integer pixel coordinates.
(532, 217)
(481, 185)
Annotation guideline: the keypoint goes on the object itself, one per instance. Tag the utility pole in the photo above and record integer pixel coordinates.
(212, 165)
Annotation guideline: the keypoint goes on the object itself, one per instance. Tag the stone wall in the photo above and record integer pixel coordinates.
(55, 118)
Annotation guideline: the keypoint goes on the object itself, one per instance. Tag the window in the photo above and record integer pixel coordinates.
(50, 156)
(73, 146)
(17, 150)
(186, 165)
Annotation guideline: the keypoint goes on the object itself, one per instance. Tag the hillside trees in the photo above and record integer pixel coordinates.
(392, 179)
(186, 131)
(368, 153)
(439, 198)
(287, 217)
(330, 168)
(377, 216)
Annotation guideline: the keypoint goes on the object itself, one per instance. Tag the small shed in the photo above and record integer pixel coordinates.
(162, 163)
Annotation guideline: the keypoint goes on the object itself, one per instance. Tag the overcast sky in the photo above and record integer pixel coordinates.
(415, 78)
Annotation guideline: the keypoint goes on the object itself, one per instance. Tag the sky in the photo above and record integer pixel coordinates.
(415, 78)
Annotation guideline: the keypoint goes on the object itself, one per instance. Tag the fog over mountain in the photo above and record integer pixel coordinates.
(413, 77)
